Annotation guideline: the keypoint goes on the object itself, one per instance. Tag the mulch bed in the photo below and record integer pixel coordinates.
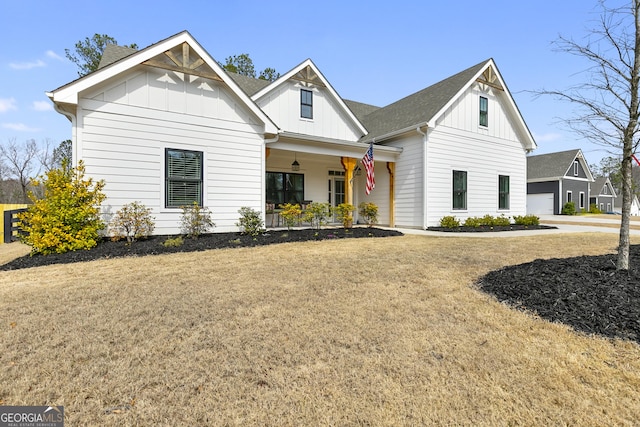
(489, 229)
(586, 292)
(154, 245)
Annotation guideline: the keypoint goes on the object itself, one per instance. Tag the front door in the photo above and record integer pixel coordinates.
(336, 189)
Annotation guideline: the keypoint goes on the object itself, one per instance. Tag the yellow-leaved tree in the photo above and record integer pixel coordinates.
(67, 217)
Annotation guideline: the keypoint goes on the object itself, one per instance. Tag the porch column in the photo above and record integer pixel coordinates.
(391, 167)
(349, 164)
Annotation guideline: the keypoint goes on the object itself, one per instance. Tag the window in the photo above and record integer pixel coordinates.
(306, 104)
(604, 190)
(459, 190)
(569, 196)
(575, 168)
(284, 187)
(183, 177)
(582, 200)
(484, 111)
(503, 192)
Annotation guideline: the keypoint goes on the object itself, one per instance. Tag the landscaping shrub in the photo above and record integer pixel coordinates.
(290, 214)
(369, 212)
(196, 220)
(67, 218)
(133, 221)
(173, 242)
(501, 221)
(593, 208)
(473, 221)
(449, 222)
(344, 212)
(318, 214)
(250, 221)
(569, 208)
(526, 220)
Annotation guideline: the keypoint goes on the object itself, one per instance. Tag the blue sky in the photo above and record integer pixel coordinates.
(372, 52)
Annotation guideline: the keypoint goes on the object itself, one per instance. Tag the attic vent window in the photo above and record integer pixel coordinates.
(575, 168)
(484, 111)
(306, 104)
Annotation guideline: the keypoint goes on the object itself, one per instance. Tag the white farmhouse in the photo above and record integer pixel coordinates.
(167, 126)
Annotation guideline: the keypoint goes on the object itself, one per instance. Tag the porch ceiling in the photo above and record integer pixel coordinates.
(333, 147)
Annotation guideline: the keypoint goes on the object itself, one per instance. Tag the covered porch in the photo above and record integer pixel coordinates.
(299, 170)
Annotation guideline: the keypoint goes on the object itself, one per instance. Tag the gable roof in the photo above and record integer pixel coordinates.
(307, 73)
(600, 183)
(249, 84)
(173, 53)
(418, 108)
(426, 106)
(554, 166)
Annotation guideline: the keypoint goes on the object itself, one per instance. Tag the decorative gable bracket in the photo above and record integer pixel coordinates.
(183, 60)
(489, 78)
(308, 76)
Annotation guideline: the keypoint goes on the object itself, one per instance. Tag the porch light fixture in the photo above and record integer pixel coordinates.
(295, 166)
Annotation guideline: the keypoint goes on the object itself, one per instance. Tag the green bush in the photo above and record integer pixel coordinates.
(449, 222)
(133, 221)
(569, 208)
(317, 214)
(250, 221)
(593, 208)
(526, 220)
(290, 214)
(173, 243)
(473, 221)
(67, 218)
(196, 220)
(501, 221)
(369, 212)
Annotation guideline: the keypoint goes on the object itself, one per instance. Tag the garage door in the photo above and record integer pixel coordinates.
(540, 204)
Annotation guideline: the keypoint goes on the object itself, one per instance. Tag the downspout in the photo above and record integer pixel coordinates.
(424, 173)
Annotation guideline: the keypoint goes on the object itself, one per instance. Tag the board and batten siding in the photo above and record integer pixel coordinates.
(458, 142)
(283, 106)
(125, 127)
(409, 181)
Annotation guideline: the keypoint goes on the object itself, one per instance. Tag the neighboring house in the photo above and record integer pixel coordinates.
(167, 126)
(603, 195)
(635, 206)
(557, 178)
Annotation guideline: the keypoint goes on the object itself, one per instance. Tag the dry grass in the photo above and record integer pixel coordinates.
(361, 332)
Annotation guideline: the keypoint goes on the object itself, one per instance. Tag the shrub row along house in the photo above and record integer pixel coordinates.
(167, 126)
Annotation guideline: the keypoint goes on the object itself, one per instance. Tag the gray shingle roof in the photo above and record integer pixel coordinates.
(114, 53)
(249, 85)
(419, 107)
(598, 184)
(359, 109)
(552, 165)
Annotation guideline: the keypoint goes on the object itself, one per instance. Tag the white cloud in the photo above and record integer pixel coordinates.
(20, 127)
(547, 137)
(42, 106)
(27, 65)
(51, 54)
(7, 104)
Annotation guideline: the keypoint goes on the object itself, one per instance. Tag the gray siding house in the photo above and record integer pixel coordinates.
(603, 195)
(557, 178)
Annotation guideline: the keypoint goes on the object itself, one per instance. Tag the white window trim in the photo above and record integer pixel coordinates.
(569, 196)
(466, 201)
(576, 168)
(581, 200)
(509, 193)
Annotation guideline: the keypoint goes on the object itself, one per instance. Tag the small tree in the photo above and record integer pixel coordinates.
(290, 214)
(88, 52)
(344, 213)
(67, 218)
(196, 220)
(133, 221)
(318, 214)
(368, 212)
(250, 221)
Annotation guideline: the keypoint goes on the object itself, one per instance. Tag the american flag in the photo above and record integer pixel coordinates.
(367, 161)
